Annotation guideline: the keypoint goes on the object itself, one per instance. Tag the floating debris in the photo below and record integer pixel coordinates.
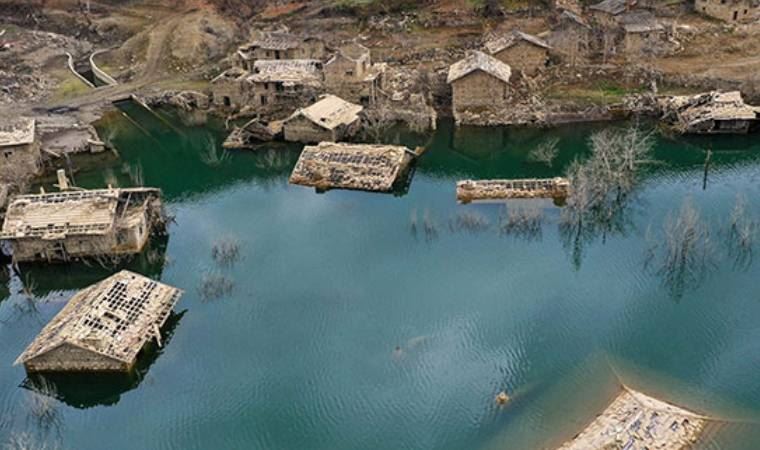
(103, 327)
(502, 398)
(472, 190)
(634, 421)
(366, 167)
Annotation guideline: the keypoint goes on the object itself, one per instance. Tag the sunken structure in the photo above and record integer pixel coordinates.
(330, 119)
(104, 327)
(81, 223)
(634, 421)
(474, 190)
(368, 167)
(709, 113)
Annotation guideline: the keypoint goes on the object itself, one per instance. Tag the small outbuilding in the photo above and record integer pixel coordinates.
(104, 327)
(367, 167)
(479, 85)
(20, 150)
(76, 224)
(642, 33)
(330, 119)
(571, 37)
(522, 51)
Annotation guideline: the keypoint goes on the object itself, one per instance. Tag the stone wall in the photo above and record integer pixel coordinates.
(478, 93)
(19, 162)
(300, 129)
(524, 56)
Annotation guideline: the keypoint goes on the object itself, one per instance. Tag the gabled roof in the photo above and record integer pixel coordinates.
(504, 42)
(570, 16)
(330, 112)
(61, 214)
(113, 318)
(475, 61)
(273, 40)
(17, 132)
(300, 71)
(640, 22)
(613, 7)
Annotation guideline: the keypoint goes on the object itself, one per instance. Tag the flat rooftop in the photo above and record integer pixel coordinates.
(16, 132)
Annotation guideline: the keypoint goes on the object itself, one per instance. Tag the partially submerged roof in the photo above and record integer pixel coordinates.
(113, 318)
(640, 22)
(613, 7)
(712, 106)
(16, 132)
(635, 421)
(61, 214)
(369, 167)
(475, 190)
(297, 71)
(504, 42)
(330, 112)
(475, 61)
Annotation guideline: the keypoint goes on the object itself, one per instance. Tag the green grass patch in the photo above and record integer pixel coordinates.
(68, 87)
(602, 93)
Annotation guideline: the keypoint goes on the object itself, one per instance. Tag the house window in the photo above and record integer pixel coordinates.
(279, 87)
(8, 153)
(263, 99)
(277, 54)
(736, 15)
(349, 73)
(227, 101)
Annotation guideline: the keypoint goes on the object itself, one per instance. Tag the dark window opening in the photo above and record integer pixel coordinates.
(263, 99)
(227, 101)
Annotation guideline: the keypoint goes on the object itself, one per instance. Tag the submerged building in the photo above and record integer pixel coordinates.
(330, 119)
(710, 113)
(104, 327)
(76, 224)
(20, 149)
(368, 167)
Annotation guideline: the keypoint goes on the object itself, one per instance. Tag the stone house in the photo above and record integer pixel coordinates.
(279, 45)
(284, 83)
(351, 74)
(20, 150)
(104, 327)
(571, 37)
(729, 10)
(70, 225)
(480, 86)
(606, 13)
(522, 51)
(228, 89)
(642, 33)
(330, 119)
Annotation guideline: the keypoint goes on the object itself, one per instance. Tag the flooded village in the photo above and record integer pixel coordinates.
(433, 224)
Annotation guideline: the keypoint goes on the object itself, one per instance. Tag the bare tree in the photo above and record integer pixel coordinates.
(376, 122)
(525, 222)
(742, 232)
(545, 152)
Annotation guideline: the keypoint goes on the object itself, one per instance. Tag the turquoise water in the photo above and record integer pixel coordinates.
(371, 321)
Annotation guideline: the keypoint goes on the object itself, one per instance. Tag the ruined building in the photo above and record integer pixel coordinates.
(285, 82)
(228, 89)
(480, 86)
(642, 33)
(350, 74)
(330, 119)
(729, 10)
(76, 224)
(522, 51)
(20, 150)
(606, 13)
(103, 327)
(571, 37)
(710, 113)
(270, 45)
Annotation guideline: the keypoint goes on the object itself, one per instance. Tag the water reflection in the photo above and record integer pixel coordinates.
(86, 390)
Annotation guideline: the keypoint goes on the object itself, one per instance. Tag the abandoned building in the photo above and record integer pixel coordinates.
(21, 150)
(571, 37)
(522, 51)
(82, 223)
(480, 86)
(486, 190)
(634, 421)
(103, 327)
(330, 119)
(606, 13)
(273, 45)
(729, 10)
(351, 74)
(286, 83)
(368, 167)
(642, 33)
(710, 113)
(228, 89)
